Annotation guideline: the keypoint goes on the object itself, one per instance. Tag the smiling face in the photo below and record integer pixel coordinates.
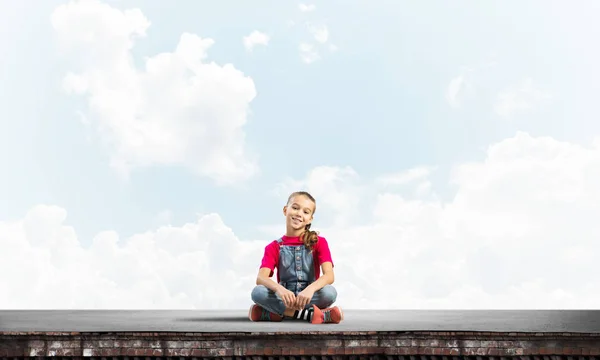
(298, 213)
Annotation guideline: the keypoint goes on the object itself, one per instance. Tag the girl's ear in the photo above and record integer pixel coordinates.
(284, 210)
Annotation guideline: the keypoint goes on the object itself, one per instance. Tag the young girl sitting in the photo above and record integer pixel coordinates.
(300, 291)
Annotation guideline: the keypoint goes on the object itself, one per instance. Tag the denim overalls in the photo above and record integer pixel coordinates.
(296, 271)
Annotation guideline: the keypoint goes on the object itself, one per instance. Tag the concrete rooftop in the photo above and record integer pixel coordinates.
(587, 321)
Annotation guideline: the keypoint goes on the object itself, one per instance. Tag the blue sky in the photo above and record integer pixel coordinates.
(397, 85)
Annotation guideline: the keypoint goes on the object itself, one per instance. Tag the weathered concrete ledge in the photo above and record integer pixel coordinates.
(304, 344)
(228, 335)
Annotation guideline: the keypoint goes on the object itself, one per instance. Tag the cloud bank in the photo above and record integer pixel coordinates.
(519, 232)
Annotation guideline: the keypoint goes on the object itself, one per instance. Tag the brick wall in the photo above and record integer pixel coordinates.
(333, 344)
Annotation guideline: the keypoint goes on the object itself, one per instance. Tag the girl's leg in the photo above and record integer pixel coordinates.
(269, 301)
(323, 298)
(318, 311)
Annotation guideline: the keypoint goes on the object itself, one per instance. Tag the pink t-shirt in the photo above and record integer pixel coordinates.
(321, 254)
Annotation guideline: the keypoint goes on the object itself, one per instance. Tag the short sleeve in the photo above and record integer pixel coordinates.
(270, 257)
(323, 252)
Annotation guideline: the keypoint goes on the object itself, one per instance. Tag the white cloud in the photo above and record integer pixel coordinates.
(255, 38)
(519, 98)
(508, 239)
(406, 176)
(461, 88)
(177, 110)
(472, 81)
(454, 89)
(308, 53)
(164, 217)
(320, 33)
(172, 267)
(520, 232)
(419, 175)
(307, 7)
(337, 190)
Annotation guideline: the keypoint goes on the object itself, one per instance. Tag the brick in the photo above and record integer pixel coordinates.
(121, 343)
(111, 352)
(401, 351)
(506, 344)
(333, 343)
(36, 352)
(360, 343)
(55, 345)
(471, 343)
(174, 344)
(191, 344)
(450, 343)
(528, 344)
(138, 343)
(224, 344)
(392, 343)
(475, 351)
(36, 343)
(183, 352)
(433, 343)
(426, 350)
(358, 351)
(220, 352)
(494, 352)
(451, 351)
(66, 352)
(489, 344)
(106, 343)
(204, 352)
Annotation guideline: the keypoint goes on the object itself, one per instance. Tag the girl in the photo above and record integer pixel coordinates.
(300, 291)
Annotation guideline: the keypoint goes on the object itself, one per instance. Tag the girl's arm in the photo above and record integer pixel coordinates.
(326, 279)
(263, 278)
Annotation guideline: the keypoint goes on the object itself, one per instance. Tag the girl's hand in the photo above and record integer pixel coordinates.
(287, 296)
(304, 298)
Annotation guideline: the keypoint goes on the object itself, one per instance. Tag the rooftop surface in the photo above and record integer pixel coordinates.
(574, 321)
